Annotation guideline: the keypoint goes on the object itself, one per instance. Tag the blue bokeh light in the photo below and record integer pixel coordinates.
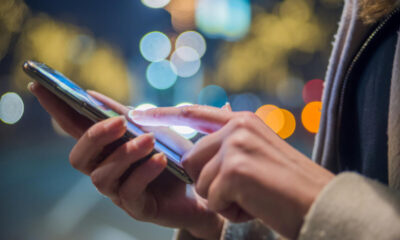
(155, 46)
(245, 102)
(161, 75)
(186, 62)
(213, 95)
(229, 19)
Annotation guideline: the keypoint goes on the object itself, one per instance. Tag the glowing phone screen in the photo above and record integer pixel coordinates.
(76, 91)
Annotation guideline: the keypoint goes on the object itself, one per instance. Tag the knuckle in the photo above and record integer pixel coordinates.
(187, 112)
(238, 122)
(98, 181)
(237, 140)
(235, 169)
(247, 117)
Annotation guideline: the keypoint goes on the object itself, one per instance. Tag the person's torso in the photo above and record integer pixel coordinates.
(365, 103)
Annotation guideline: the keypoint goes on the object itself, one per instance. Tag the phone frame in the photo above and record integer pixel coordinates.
(38, 72)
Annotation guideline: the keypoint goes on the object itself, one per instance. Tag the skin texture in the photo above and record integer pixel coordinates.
(243, 168)
(145, 191)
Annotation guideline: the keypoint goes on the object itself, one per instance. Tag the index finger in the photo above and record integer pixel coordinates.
(205, 119)
(111, 103)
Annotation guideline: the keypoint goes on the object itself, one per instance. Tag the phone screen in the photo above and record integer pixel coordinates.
(60, 81)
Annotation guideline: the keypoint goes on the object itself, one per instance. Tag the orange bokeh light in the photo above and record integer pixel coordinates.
(272, 116)
(311, 116)
(289, 126)
(281, 121)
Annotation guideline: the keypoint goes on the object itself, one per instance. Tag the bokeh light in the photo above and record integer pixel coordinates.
(81, 48)
(182, 14)
(155, 3)
(145, 106)
(312, 91)
(155, 46)
(11, 108)
(289, 125)
(185, 131)
(182, 66)
(161, 75)
(229, 19)
(193, 40)
(187, 54)
(311, 116)
(272, 116)
(245, 102)
(289, 92)
(213, 95)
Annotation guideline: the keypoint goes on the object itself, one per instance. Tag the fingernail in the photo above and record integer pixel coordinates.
(147, 141)
(227, 105)
(116, 122)
(161, 156)
(153, 139)
(30, 86)
(134, 114)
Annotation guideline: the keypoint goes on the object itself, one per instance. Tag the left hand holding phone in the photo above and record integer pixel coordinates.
(147, 193)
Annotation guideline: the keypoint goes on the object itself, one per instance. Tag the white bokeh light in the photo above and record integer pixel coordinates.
(183, 67)
(145, 106)
(184, 131)
(11, 108)
(193, 40)
(155, 3)
(155, 46)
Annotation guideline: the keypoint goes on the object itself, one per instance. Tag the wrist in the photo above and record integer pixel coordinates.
(211, 230)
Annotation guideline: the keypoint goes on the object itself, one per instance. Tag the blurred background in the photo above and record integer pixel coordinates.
(264, 56)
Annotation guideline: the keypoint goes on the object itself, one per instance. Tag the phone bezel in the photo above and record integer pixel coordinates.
(33, 68)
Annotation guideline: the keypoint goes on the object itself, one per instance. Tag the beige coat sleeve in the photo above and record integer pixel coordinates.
(353, 207)
(349, 207)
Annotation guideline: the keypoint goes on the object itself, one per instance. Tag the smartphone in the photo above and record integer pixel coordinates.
(82, 102)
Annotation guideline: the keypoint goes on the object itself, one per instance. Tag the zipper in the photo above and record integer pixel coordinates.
(349, 71)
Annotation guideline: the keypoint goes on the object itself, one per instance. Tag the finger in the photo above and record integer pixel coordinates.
(84, 154)
(220, 194)
(222, 198)
(70, 120)
(205, 119)
(208, 175)
(205, 149)
(132, 190)
(114, 105)
(202, 152)
(107, 176)
(236, 214)
(227, 107)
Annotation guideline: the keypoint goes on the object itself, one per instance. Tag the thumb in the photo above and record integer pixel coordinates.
(205, 119)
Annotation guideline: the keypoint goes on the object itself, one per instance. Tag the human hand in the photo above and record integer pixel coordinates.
(243, 168)
(145, 191)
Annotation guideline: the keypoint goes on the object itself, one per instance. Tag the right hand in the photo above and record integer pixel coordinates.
(147, 193)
